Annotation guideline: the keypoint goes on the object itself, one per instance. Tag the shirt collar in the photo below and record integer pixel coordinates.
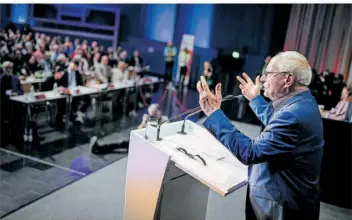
(278, 104)
(70, 71)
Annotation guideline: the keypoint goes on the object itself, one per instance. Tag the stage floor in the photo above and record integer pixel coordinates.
(101, 196)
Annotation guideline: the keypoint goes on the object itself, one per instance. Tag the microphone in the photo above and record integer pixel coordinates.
(194, 111)
(227, 98)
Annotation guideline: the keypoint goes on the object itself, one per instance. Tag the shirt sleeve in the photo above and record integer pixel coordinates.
(278, 139)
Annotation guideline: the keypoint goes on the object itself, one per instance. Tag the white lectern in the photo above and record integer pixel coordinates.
(165, 180)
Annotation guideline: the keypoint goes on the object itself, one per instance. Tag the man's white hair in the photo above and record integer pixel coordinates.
(295, 63)
(7, 63)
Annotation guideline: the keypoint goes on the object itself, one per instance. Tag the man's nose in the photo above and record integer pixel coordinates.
(262, 78)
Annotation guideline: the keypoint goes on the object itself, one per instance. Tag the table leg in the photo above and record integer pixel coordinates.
(99, 106)
(26, 127)
(68, 106)
(125, 103)
(136, 101)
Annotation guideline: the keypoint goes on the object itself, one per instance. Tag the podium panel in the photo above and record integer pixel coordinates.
(184, 198)
(145, 173)
(169, 179)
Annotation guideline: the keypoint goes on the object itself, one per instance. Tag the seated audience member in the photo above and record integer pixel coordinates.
(68, 48)
(49, 83)
(123, 56)
(154, 111)
(209, 75)
(18, 63)
(77, 43)
(121, 73)
(69, 81)
(112, 62)
(101, 50)
(83, 67)
(54, 53)
(94, 62)
(103, 71)
(9, 86)
(46, 65)
(62, 61)
(136, 60)
(110, 51)
(117, 52)
(340, 111)
(39, 53)
(32, 66)
(11, 83)
(93, 48)
(85, 53)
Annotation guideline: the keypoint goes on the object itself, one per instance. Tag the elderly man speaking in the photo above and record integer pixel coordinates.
(284, 161)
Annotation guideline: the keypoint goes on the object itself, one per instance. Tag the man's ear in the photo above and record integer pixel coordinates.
(290, 80)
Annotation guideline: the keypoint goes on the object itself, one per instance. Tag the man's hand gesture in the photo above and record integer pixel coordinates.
(208, 101)
(248, 88)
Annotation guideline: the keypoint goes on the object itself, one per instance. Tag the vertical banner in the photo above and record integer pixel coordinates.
(187, 42)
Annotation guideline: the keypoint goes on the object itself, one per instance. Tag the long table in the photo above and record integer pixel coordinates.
(50, 96)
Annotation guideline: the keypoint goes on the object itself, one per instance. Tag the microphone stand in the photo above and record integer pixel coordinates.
(227, 98)
(168, 120)
(184, 121)
(193, 112)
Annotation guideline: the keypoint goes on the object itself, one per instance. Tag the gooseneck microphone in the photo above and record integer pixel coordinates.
(227, 98)
(192, 112)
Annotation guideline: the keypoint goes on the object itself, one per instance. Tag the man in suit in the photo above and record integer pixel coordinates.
(10, 85)
(103, 71)
(71, 79)
(136, 60)
(284, 160)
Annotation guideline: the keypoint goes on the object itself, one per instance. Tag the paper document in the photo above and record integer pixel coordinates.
(222, 172)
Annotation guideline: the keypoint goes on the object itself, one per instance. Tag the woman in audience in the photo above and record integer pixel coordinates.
(340, 111)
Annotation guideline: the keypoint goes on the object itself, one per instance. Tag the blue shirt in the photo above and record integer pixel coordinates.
(72, 83)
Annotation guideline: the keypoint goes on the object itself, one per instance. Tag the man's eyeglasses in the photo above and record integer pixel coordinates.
(266, 74)
(194, 157)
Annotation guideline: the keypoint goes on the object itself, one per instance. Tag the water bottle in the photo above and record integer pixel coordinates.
(56, 89)
(93, 83)
(31, 93)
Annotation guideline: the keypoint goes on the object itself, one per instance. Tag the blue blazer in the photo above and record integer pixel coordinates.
(16, 84)
(284, 160)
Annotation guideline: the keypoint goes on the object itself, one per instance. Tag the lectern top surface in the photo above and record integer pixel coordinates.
(222, 172)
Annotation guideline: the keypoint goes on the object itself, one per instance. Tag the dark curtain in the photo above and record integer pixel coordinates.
(323, 33)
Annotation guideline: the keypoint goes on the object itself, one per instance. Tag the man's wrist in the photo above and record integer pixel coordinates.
(212, 112)
(254, 97)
